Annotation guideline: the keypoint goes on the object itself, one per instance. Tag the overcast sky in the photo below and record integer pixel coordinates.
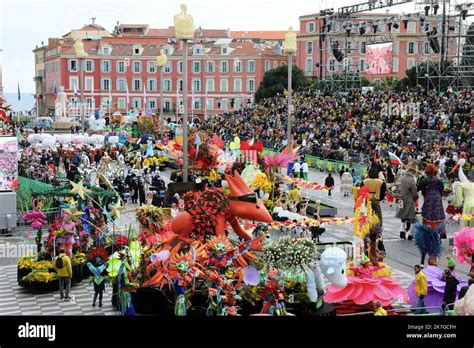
(26, 23)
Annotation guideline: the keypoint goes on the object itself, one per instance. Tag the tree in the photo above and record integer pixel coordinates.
(276, 81)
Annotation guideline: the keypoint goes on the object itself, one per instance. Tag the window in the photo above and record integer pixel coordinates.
(167, 85)
(151, 66)
(308, 67)
(168, 67)
(251, 66)
(137, 66)
(167, 104)
(209, 104)
(152, 85)
(396, 47)
(411, 28)
(121, 85)
(121, 103)
(411, 48)
(151, 103)
(275, 64)
(73, 83)
(197, 104)
(136, 85)
(224, 66)
(73, 65)
(105, 102)
(309, 47)
(363, 47)
(410, 63)
(106, 50)
(121, 67)
(395, 65)
(196, 85)
(268, 65)
(237, 65)
(210, 85)
(137, 103)
(106, 66)
(362, 65)
(250, 85)
(198, 51)
(210, 67)
(89, 103)
(137, 51)
(168, 51)
(224, 85)
(332, 65)
(224, 104)
(89, 66)
(180, 85)
(196, 67)
(427, 48)
(106, 85)
(237, 85)
(396, 30)
(89, 81)
(180, 66)
(348, 47)
(310, 27)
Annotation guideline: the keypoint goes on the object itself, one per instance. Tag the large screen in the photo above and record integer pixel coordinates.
(378, 58)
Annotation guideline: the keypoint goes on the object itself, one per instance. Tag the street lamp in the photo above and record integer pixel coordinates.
(184, 30)
(290, 48)
(81, 54)
(161, 62)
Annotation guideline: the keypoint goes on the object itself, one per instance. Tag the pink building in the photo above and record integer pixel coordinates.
(408, 34)
(223, 73)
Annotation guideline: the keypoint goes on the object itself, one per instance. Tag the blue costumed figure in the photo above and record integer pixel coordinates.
(124, 297)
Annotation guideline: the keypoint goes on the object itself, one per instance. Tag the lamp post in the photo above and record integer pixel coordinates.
(184, 27)
(81, 54)
(161, 61)
(290, 48)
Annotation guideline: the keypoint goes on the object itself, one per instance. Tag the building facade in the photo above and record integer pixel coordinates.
(121, 71)
(317, 58)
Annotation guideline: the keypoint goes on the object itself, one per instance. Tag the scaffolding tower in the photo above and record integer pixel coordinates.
(454, 68)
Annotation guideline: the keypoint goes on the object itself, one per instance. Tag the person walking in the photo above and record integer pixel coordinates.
(377, 191)
(450, 289)
(421, 289)
(409, 193)
(64, 269)
(297, 169)
(98, 271)
(379, 311)
(432, 189)
(329, 183)
(346, 183)
(305, 170)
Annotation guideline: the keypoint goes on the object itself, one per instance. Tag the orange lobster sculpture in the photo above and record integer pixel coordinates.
(243, 203)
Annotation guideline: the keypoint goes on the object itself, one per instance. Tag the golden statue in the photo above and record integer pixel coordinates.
(184, 24)
(290, 41)
(79, 48)
(162, 59)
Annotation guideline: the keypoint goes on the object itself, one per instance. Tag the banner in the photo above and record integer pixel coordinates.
(8, 162)
(378, 58)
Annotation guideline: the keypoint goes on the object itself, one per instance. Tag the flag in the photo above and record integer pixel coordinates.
(144, 96)
(55, 91)
(177, 101)
(128, 95)
(110, 98)
(192, 102)
(394, 159)
(19, 94)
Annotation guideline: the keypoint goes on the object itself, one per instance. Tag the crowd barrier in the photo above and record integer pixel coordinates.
(328, 165)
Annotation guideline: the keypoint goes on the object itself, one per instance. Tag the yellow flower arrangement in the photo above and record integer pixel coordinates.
(79, 259)
(40, 277)
(28, 262)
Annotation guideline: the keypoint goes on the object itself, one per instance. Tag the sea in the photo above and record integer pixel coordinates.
(26, 103)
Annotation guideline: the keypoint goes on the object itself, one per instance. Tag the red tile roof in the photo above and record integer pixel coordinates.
(264, 35)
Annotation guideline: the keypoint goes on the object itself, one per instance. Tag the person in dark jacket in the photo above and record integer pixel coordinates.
(329, 183)
(450, 289)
